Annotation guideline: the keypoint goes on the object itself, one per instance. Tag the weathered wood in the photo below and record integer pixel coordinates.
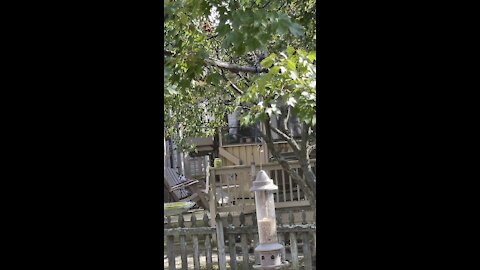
(208, 244)
(189, 231)
(280, 235)
(290, 187)
(196, 251)
(229, 156)
(231, 244)
(294, 250)
(293, 244)
(183, 244)
(171, 254)
(222, 262)
(242, 219)
(244, 244)
(212, 198)
(304, 217)
(281, 240)
(266, 166)
(277, 192)
(306, 251)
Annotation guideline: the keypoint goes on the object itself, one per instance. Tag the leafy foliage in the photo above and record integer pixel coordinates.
(197, 96)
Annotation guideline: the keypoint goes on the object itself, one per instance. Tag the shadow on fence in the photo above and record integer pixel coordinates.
(196, 247)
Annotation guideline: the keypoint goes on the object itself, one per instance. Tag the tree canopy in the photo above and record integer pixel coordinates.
(207, 72)
(257, 58)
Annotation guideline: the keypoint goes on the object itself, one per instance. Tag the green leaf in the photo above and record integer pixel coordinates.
(290, 65)
(223, 29)
(290, 51)
(296, 29)
(252, 43)
(273, 71)
(268, 62)
(213, 78)
(282, 27)
(312, 56)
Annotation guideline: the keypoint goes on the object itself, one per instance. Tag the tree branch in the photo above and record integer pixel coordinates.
(304, 141)
(267, 136)
(226, 65)
(232, 84)
(234, 67)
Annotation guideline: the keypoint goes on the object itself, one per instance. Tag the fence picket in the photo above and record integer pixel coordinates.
(255, 238)
(183, 244)
(306, 251)
(208, 243)
(293, 244)
(231, 245)
(289, 235)
(281, 236)
(244, 243)
(196, 252)
(222, 261)
(170, 247)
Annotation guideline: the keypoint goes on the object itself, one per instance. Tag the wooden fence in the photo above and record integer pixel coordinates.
(231, 246)
(229, 187)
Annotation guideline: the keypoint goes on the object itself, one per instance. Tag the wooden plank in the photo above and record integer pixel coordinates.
(292, 204)
(294, 250)
(212, 198)
(265, 166)
(290, 186)
(244, 151)
(183, 244)
(284, 188)
(196, 253)
(208, 245)
(222, 262)
(230, 157)
(244, 244)
(293, 243)
(307, 254)
(188, 231)
(255, 239)
(171, 254)
(231, 244)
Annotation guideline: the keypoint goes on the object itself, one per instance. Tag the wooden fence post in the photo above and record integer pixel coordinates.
(222, 261)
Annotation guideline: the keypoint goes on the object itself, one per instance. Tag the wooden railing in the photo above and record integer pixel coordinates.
(203, 247)
(229, 187)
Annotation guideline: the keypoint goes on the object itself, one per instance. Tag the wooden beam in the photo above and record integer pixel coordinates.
(224, 153)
